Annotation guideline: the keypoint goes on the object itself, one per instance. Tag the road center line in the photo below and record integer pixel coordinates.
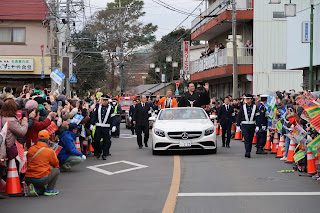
(238, 194)
(174, 188)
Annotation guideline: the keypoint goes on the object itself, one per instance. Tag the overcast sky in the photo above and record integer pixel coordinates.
(166, 20)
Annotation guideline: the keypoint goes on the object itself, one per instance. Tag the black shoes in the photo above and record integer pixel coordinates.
(228, 146)
(146, 145)
(247, 155)
(104, 157)
(98, 156)
(140, 147)
(260, 151)
(223, 145)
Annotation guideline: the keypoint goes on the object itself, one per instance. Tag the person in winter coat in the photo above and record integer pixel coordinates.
(69, 156)
(17, 127)
(32, 134)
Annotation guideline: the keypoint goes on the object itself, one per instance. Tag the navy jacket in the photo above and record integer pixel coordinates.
(262, 119)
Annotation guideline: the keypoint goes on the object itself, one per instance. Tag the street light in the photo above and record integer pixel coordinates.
(157, 69)
(290, 10)
(152, 66)
(169, 58)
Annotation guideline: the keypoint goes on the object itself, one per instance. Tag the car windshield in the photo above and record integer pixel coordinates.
(182, 114)
(126, 103)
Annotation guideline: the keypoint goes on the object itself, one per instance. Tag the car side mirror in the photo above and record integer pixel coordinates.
(152, 119)
(212, 117)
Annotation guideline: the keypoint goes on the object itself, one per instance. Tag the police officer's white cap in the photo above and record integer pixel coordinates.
(264, 96)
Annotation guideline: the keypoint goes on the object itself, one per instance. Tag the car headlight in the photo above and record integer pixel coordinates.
(159, 132)
(209, 131)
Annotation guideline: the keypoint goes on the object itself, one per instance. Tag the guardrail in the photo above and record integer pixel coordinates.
(222, 58)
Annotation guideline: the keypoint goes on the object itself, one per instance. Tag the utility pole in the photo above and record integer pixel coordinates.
(53, 42)
(67, 44)
(235, 55)
(121, 54)
(311, 48)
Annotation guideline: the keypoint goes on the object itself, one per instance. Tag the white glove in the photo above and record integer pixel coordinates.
(113, 129)
(238, 129)
(264, 128)
(91, 127)
(257, 129)
(130, 118)
(83, 157)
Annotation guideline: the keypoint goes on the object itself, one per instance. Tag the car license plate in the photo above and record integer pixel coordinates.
(185, 143)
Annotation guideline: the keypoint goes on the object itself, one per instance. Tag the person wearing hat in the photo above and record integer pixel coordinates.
(69, 155)
(247, 120)
(117, 116)
(103, 121)
(40, 175)
(261, 126)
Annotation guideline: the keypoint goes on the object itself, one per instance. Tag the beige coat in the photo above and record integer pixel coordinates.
(16, 129)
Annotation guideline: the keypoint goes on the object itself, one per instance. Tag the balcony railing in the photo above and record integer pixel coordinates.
(222, 58)
(218, 7)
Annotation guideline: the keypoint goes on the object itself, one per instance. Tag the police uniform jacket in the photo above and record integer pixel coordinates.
(99, 116)
(262, 119)
(117, 113)
(251, 120)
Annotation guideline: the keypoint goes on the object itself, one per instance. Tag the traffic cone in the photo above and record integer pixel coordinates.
(233, 129)
(13, 187)
(275, 143)
(85, 145)
(268, 142)
(220, 132)
(311, 162)
(290, 155)
(238, 135)
(281, 144)
(78, 144)
(254, 138)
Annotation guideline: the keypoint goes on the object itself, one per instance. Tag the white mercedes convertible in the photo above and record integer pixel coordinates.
(184, 128)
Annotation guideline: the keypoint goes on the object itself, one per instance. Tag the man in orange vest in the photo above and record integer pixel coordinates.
(166, 102)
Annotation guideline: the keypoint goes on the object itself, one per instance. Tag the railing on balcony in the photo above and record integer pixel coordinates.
(218, 7)
(222, 58)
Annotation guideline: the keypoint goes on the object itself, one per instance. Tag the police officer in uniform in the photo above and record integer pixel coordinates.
(104, 122)
(261, 128)
(247, 120)
(117, 116)
(194, 98)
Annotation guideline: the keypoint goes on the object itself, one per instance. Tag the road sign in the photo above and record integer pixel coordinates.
(177, 92)
(57, 76)
(306, 32)
(177, 83)
(42, 74)
(73, 79)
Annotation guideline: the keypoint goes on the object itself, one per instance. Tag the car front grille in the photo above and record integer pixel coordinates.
(182, 135)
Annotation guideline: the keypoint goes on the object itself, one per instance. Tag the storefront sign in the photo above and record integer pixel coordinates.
(186, 55)
(11, 64)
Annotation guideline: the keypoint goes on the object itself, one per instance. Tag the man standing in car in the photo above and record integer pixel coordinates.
(194, 98)
(140, 119)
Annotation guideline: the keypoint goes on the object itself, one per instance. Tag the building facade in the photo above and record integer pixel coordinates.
(298, 57)
(216, 29)
(23, 37)
(270, 70)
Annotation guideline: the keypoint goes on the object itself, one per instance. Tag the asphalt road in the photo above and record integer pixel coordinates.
(117, 188)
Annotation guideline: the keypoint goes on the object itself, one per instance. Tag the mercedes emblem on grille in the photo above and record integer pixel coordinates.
(185, 135)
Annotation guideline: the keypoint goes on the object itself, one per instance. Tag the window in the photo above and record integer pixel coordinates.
(144, 79)
(12, 35)
(278, 15)
(279, 66)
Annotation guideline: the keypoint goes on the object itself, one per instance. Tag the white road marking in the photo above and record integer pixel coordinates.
(136, 166)
(237, 194)
(127, 136)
